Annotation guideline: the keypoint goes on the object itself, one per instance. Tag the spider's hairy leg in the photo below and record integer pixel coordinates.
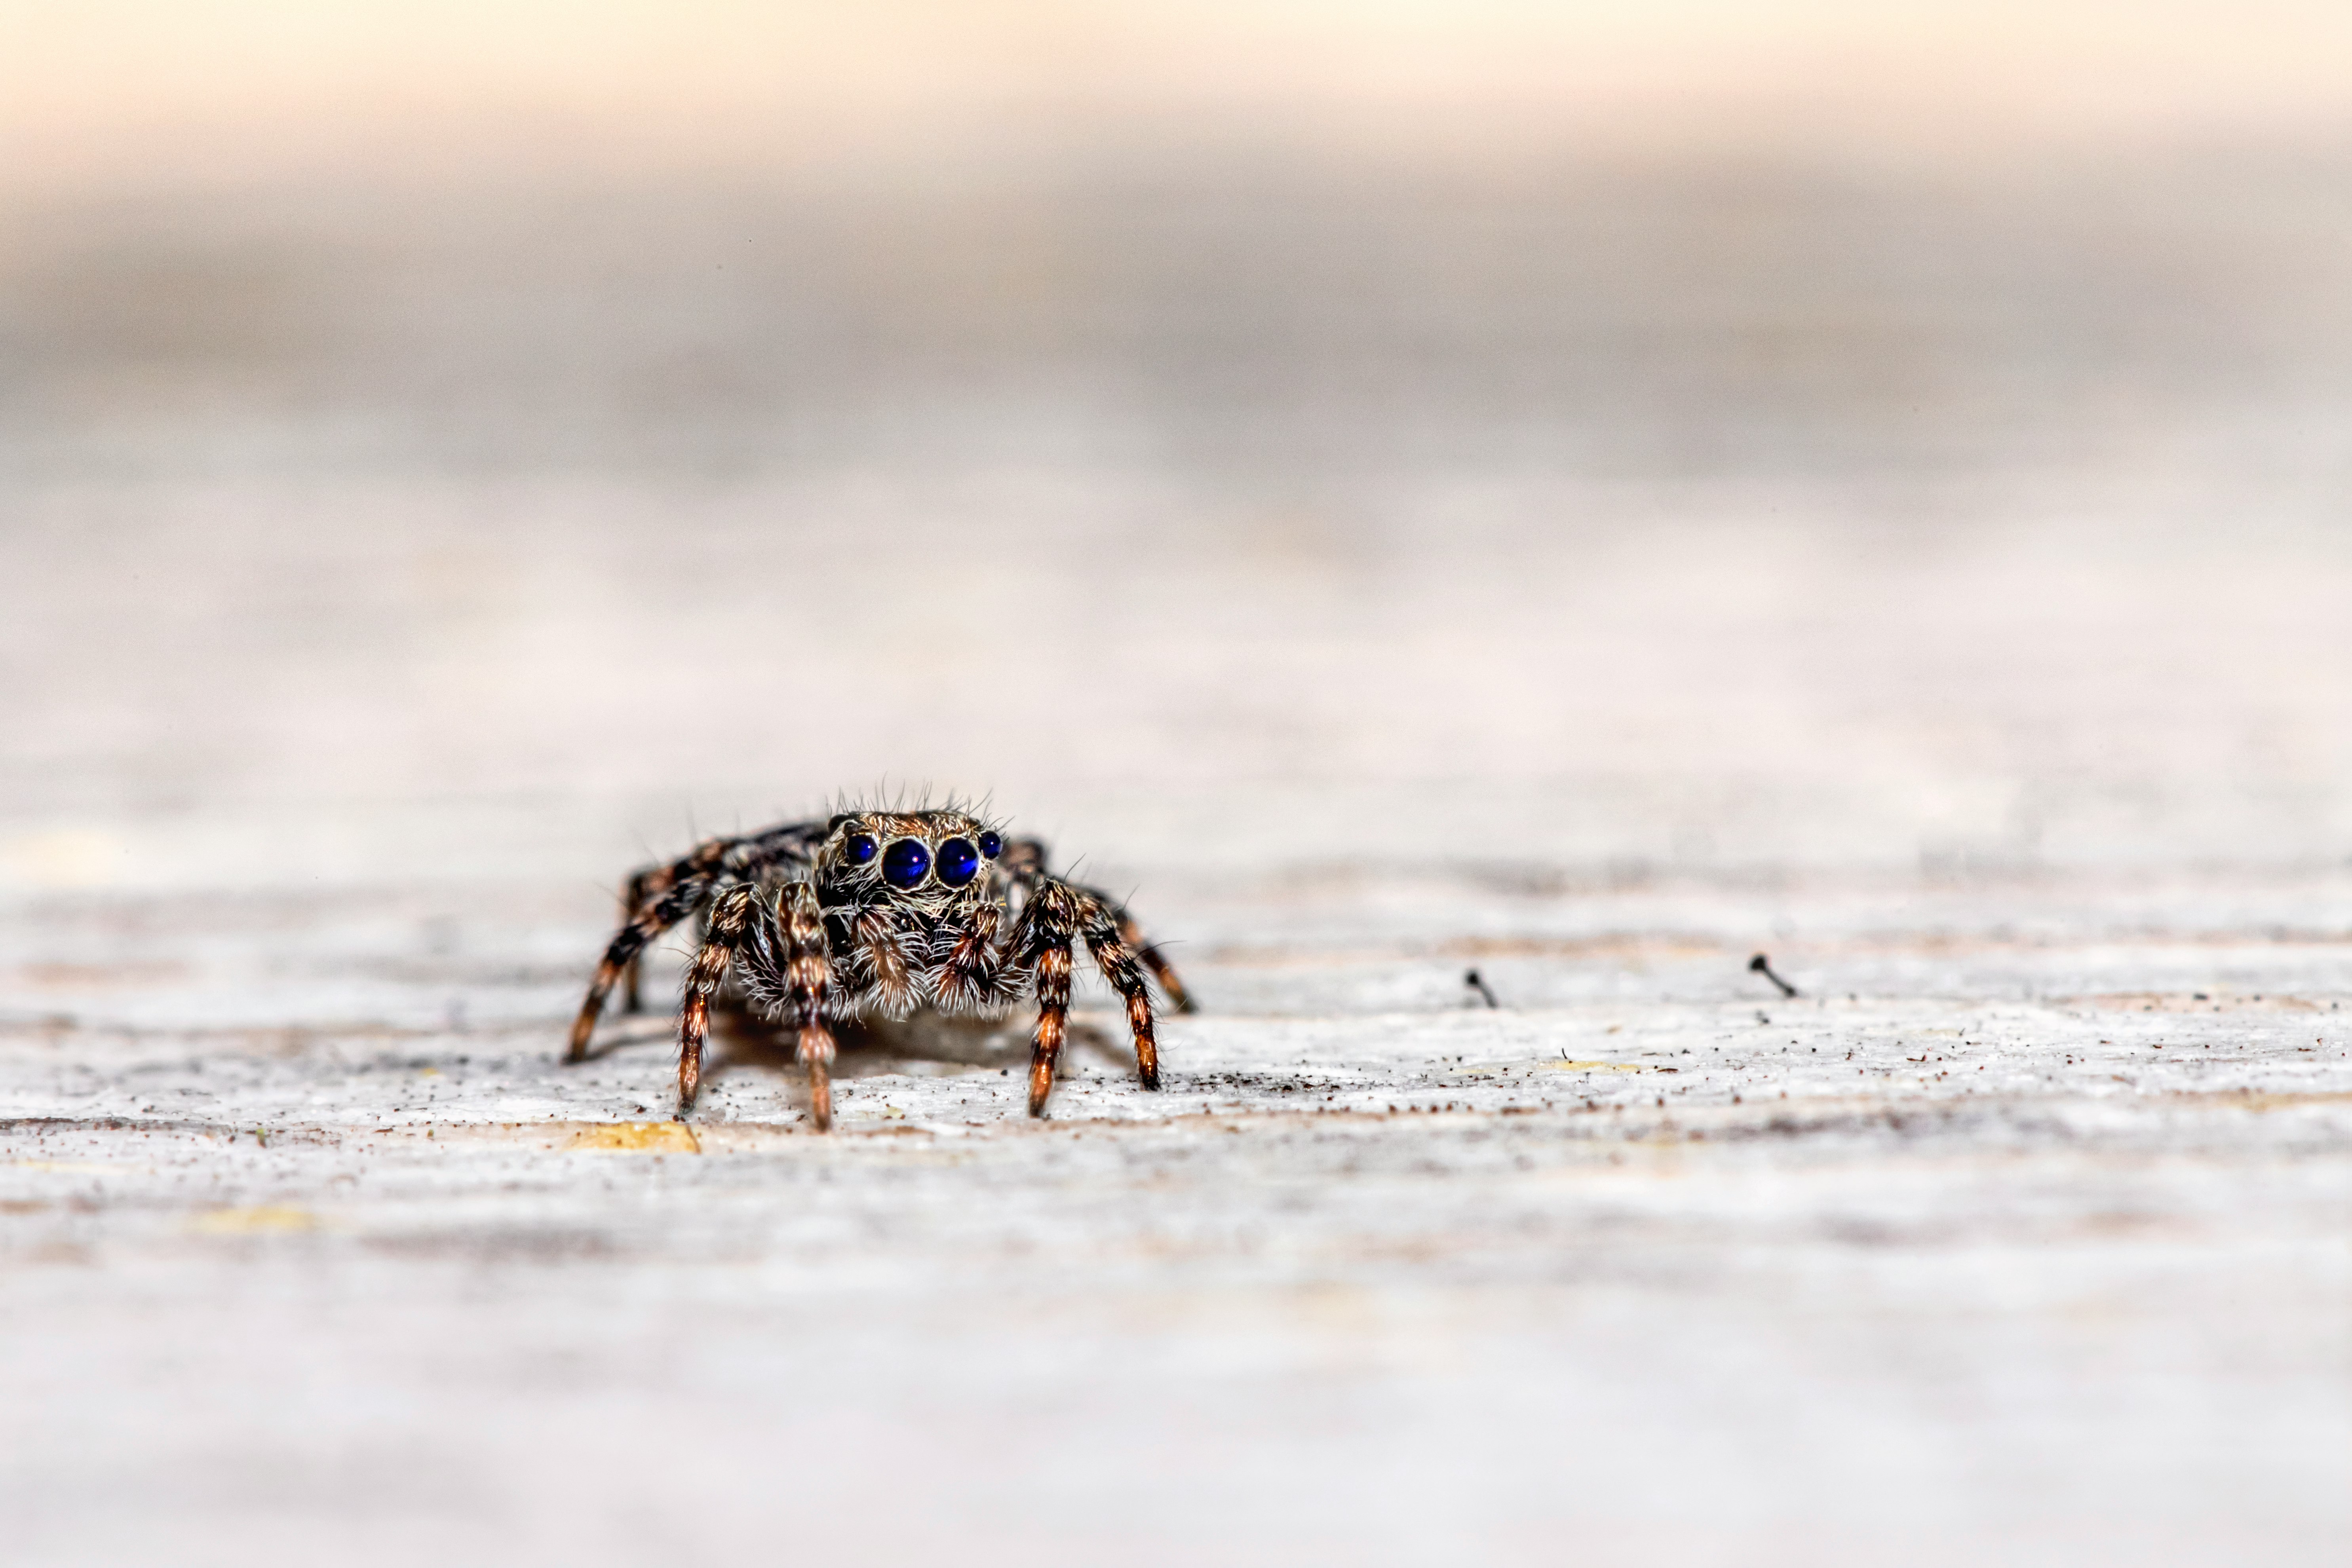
(1050, 924)
(808, 974)
(732, 920)
(633, 904)
(1110, 938)
(1152, 958)
(660, 896)
(1056, 915)
(1130, 937)
(1052, 982)
(663, 910)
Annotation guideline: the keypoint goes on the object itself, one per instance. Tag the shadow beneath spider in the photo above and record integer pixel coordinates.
(623, 1034)
(927, 1044)
(876, 1047)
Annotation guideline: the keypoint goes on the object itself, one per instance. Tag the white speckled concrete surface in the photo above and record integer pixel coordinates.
(1980, 653)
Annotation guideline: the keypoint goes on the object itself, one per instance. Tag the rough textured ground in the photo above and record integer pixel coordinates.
(1592, 578)
(2036, 1243)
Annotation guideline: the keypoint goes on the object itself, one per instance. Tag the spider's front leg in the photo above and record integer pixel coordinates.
(1050, 967)
(743, 929)
(808, 976)
(734, 926)
(1058, 914)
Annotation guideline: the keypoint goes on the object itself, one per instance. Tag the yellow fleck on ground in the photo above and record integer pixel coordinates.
(625, 1137)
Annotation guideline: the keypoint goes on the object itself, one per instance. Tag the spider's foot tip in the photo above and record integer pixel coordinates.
(1151, 1082)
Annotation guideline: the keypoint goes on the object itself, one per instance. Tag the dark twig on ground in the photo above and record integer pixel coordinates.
(1762, 965)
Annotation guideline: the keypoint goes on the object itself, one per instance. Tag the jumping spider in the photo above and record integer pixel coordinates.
(879, 913)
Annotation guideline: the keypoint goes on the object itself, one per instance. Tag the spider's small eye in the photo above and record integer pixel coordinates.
(906, 863)
(958, 862)
(857, 848)
(989, 845)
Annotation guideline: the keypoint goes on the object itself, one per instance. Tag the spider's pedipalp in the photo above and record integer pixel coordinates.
(883, 958)
(974, 968)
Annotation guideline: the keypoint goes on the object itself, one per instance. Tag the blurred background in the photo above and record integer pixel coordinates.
(1586, 488)
(484, 442)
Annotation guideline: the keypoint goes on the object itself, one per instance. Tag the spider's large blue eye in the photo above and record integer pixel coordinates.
(857, 848)
(958, 862)
(989, 844)
(905, 862)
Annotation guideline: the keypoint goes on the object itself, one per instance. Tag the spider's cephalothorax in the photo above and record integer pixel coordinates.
(879, 914)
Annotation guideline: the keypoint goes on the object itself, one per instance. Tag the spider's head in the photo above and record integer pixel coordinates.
(920, 857)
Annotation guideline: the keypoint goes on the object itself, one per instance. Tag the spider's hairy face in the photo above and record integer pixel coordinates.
(930, 861)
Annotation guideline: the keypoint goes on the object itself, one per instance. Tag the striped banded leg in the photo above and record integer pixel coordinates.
(1156, 961)
(1053, 983)
(664, 898)
(633, 900)
(1024, 862)
(732, 923)
(1107, 939)
(664, 912)
(1131, 935)
(660, 897)
(1041, 949)
(808, 977)
(1058, 914)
